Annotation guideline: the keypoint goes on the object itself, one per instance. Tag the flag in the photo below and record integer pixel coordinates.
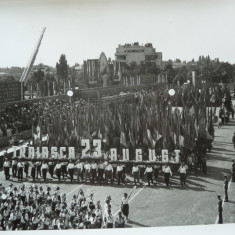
(156, 135)
(150, 139)
(123, 139)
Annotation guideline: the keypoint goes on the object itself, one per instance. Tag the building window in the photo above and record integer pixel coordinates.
(150, 57)
(121, 57)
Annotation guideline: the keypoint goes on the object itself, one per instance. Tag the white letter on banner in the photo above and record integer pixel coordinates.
(113, 154)
(38, 152)
(71, 153)
(44, 152)
(22, 151)
(177, 156)
(15, 149)
(54, 152)
(31, 152)
(85, 143)
(97, 145)
(62, 149)
(165, 155)
(152, 155)
(138, 155)
(125, 153)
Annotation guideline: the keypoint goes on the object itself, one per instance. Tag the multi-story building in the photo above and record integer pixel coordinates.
(129, 53)
(45, 68)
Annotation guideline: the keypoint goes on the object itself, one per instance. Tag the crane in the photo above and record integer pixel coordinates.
(25, 74)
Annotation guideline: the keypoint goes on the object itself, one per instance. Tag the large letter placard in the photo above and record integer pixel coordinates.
(165, 155)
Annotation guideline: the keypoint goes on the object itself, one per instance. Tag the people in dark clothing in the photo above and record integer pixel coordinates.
(220, 210)
(226, 187)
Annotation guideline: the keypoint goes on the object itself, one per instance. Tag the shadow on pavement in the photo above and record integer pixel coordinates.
(136, 223)
(222, 150)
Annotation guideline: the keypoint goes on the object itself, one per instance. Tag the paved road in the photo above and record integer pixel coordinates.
(161, 206)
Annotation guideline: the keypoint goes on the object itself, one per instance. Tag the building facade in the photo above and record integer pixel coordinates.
(129, 53)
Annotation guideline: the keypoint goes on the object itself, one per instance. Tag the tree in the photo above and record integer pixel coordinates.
(62, 69)
(38, 77)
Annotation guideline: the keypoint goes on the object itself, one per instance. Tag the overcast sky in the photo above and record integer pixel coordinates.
(82, 29)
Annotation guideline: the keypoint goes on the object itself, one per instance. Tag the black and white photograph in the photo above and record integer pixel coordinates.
(117, 114)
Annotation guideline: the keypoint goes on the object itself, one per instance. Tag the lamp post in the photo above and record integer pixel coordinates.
(171, 93)
(70, 94)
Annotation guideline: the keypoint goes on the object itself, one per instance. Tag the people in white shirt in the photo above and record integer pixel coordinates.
(93, 171)
(183, 171)
(109, 172)
(120, 173)
(79, 167)
(149, 172)
(70, 169)
(135, 172)
(58, 170)
(167, 172)
(20, 167)
(44, 168)
(87, 168)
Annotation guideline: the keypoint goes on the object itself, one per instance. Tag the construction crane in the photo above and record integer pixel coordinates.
(25, 74)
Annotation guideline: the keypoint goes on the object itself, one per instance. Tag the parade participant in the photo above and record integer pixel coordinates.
(233, 171)
(227, 116)
(87, 168)
(20, 167)
(156, 169)
(195, 164)
(93, 220)
(183, 173)
(44, 168)
(204, 166)
(99, 214)
(108, 172)
(233, 140)
(109, 220)
(220, 209)
(125, 204)
(101, 168)
(38, 169)
(90, 201)
(149, 172)
(23, 194)
(51, 168)
(120, 221)
(226, 188)
(14, 167)
(120, 173)
(114, 165)
(58, 170)
(33, 170)
(190, 163)
(6, 166)
(70, 169)
(142, 168)
(26, 168)
(167, 172)
(93, 171)
(41, 195)
(79, 166)
(80, 197)
(135, 172)
(64, 168)
(84, 204)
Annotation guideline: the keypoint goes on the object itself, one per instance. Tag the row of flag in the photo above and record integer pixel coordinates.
(147, 120)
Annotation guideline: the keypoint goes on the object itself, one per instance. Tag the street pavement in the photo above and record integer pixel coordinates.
(196, 204)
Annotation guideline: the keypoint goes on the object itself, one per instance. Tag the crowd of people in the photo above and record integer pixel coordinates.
(97, 172)
(19, 117)
(38, 208)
